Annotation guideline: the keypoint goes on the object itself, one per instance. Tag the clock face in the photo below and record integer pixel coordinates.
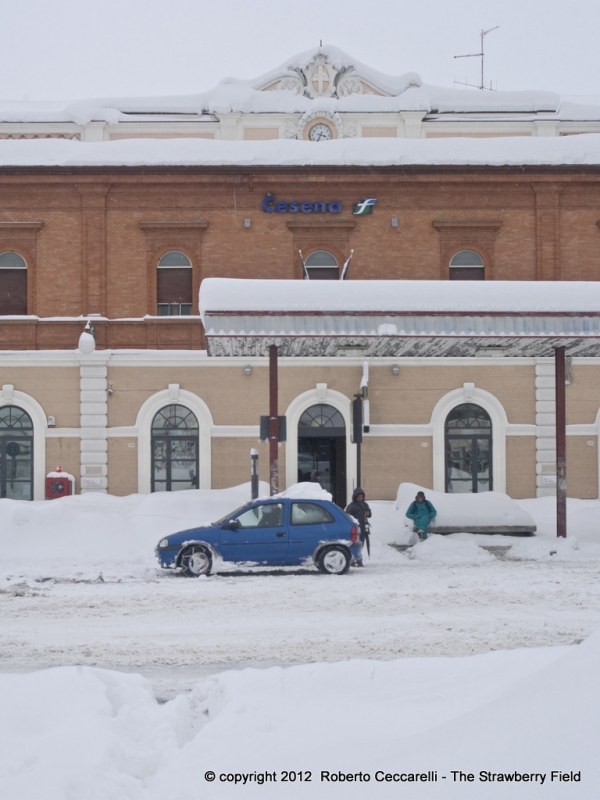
(319, 132)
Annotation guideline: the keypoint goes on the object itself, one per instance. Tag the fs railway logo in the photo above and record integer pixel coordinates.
(363, 207)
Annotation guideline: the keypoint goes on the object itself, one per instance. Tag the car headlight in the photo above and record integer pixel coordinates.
(163, 543)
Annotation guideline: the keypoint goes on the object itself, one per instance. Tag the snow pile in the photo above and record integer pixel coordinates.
(559, 549)
(306, 491)
(91, 734)
(458, 549)
(583, 517)
(456, 510)
(83, 535)
(530, 151)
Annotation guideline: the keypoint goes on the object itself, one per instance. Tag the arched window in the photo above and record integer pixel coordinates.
(174, 450)
(322, 266)
(174, 285)
(16, 454)
(322, 450)
(467, 266)
(13, 283)
(468, 436)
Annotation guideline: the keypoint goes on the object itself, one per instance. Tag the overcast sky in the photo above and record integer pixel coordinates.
(67, 49)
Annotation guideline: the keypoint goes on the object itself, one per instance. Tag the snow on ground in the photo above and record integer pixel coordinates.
(496, 680)
(79, 584)
(91, 734)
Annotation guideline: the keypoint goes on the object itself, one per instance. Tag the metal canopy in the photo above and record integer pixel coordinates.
(322, 334)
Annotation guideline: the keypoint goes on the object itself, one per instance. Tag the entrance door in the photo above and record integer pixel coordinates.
(16, 454)
(174, 450)
(322, 450)
(468, 450)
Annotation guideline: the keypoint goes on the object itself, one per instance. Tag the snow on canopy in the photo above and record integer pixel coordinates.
(468, 297)
(399, 93)
(583, 149)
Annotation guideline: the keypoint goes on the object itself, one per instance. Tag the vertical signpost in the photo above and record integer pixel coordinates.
(254, 472)
(561, 442)
(273, 422)
(357, 432)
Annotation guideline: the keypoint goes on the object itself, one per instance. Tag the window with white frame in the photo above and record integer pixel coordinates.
(174, 285)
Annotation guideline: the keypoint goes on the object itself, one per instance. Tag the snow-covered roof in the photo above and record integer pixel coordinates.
(414, 297)
(583, 149)
(288, 88)
(400, 318)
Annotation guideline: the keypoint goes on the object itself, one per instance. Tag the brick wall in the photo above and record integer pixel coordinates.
(91, 254)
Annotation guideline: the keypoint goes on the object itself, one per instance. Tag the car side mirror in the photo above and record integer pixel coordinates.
(232, 525)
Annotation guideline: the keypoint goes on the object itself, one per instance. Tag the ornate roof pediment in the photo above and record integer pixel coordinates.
(328, 72)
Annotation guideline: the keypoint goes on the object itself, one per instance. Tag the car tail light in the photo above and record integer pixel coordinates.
(354, 534)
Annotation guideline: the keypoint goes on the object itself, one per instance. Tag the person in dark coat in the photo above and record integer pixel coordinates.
(360, 510)
(422, 511)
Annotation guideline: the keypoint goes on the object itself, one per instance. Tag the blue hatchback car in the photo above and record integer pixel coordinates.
(279, 531)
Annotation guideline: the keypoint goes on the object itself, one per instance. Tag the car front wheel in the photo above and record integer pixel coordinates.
(333, 560)
(196, 561)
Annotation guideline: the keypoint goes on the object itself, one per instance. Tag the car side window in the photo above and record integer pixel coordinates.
(310, 514)
(269, 515)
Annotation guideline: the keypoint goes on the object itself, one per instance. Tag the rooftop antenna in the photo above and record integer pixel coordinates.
(480, 55)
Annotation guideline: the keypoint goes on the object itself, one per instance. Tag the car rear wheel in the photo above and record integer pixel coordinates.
(196, 561)
(333, 560)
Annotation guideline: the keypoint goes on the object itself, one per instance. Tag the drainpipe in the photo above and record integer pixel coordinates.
(561, 443)
(273, 421)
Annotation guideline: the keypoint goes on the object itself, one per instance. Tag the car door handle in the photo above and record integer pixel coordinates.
(281, 534)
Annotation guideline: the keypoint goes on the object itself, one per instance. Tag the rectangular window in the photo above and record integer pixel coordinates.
(174, 292)
(467, 273)
(13, 291)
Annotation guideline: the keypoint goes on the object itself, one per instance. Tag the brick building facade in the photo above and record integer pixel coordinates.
(91, 240)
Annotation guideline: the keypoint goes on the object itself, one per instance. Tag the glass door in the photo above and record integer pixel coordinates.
(468, 450)
(16, 454)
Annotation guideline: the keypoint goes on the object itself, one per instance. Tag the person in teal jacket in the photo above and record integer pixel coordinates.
(422, 511)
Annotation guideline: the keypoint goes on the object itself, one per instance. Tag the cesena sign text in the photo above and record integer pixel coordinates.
(271, 205)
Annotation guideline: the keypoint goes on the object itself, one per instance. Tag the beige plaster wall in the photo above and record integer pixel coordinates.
(410, 397)
(122, 466)
(583, 395)
(582, 467)
(231, 462)
(388, 461)
(520, 466)
(55, 388)
(260, 134)
(65, 452)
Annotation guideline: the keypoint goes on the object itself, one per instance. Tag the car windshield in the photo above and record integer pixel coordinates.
(229, 516)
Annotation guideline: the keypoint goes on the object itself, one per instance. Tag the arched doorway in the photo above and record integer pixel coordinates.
(468, 438)
(322, 450)
(174, 450)
(16, 454)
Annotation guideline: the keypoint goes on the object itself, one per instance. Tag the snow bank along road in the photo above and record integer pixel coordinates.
(446, 596)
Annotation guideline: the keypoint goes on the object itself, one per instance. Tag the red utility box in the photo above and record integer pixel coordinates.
(58, 484)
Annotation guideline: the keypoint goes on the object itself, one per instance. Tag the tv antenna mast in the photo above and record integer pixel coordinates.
(480, 55)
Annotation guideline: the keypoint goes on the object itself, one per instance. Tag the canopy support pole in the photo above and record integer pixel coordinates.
(273, 421)
(561, 442)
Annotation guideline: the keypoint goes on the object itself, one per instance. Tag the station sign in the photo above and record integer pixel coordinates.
(271, 205)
